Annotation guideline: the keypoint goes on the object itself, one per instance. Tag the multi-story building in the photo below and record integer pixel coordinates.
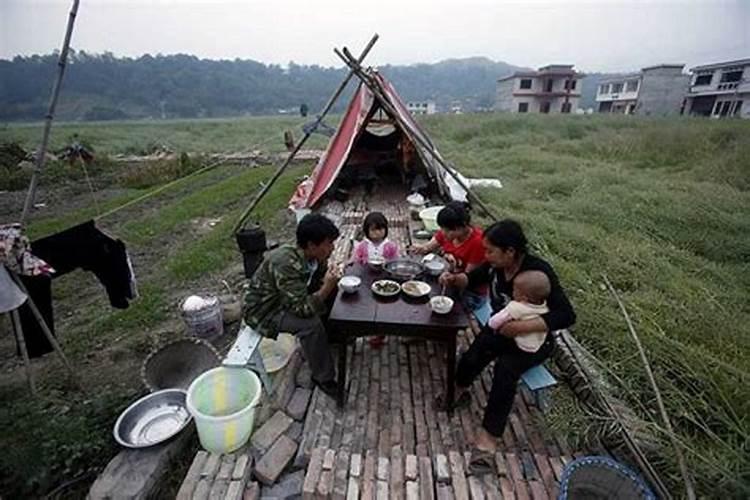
(551, 89)
(656, 90)
(719, 90)
(421, 108)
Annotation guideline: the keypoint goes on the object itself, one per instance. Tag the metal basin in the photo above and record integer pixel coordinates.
(403, 269)
(152, 419)
(177, 364)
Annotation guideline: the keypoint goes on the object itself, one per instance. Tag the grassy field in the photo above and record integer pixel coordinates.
(660, 206)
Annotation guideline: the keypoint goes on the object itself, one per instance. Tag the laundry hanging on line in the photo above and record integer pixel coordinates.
(85, 247)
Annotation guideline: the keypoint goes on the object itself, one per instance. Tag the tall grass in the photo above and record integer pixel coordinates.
(663, 208)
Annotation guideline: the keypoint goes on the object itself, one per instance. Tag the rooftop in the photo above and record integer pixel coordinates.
(738, 62)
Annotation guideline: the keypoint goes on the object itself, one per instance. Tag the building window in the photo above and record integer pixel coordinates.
(544, 108)
(570, 84)
(731, 76)
(704, 79)
(631, 85)
(565, 107)
(523, 107)
(548, 85)
(525, 83)
(616, 88)
(604, 89)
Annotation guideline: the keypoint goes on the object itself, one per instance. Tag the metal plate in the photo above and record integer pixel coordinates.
(403, 269)
(152, 419)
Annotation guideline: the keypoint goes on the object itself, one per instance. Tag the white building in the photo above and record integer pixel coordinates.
(720, 90)
(551, 89)
(656, 90)
(421, 108)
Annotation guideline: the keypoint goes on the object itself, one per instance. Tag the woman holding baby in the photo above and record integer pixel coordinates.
(528, 303)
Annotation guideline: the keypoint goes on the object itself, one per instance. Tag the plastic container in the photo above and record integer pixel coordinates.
(222, 401)
(205, 321)
(429, 217)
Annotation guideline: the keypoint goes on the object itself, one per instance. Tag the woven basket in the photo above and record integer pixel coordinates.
(601, 478)
(177, 364)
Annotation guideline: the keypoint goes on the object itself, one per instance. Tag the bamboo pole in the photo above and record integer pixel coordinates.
(424, 143)
(302, 141)
(42, 151)
(16, 320)
(690, 492)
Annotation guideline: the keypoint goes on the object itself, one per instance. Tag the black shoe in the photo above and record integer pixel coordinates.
(329, 387)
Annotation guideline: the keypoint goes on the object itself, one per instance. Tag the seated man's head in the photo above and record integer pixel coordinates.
(531, 286)
(315, 236)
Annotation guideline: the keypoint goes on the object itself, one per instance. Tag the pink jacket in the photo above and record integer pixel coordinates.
(388, 250)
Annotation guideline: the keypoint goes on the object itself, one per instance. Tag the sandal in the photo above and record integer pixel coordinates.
(482, 462)
(463, 401)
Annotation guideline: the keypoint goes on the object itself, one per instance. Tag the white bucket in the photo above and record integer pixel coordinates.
(222, 401)
(206, 321)
(429, 217)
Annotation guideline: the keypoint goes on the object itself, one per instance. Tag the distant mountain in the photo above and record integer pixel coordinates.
(101, 87)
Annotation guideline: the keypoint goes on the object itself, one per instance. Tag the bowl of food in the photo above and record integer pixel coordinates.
(349, 284)
(403, 269)
(434, 264)
(385, 288)
(441, 304)
(376, 263)
(416, 289)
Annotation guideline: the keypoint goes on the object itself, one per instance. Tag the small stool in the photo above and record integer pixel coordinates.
(245, 352)
(538, 379)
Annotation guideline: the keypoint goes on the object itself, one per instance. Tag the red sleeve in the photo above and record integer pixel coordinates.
(440, 238)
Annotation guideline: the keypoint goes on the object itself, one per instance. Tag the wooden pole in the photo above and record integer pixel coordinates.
(689, 491)
(42, 151)
(302, 141)
(22, 347)
(430, 148)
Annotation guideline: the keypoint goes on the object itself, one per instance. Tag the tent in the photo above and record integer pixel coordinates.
(369, 141)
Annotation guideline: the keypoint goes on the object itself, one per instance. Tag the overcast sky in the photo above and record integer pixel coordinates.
(599, 35)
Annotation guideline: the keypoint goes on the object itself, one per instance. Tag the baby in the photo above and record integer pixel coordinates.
(530, 292)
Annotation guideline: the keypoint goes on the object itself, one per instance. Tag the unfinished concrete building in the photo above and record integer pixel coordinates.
(551, 89)
(719, 90)
(654, 91)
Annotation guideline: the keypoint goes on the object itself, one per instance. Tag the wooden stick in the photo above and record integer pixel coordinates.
(415, 134)
(41, 152)
(662, 410)
(302, 141)
(22, 346)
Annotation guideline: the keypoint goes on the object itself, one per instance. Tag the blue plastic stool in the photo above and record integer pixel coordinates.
(538, 379)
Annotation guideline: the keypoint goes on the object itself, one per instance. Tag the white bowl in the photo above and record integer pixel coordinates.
(441, 304)
(435, 266)
(349, 284)
(376, 263)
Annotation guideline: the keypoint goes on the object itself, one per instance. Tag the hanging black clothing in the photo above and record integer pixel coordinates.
(86, 247)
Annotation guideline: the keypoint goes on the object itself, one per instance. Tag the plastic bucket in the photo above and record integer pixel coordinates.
(206, 322)
(222, 401)
(429, 217)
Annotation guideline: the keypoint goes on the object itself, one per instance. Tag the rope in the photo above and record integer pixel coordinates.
(91, 187)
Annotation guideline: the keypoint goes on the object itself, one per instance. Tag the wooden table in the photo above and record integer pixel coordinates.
(363, 313)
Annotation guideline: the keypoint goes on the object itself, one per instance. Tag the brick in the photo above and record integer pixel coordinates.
(313, 474)
(329, 458)
(309, 435)
(537, 490)
(270, 431)
(412, 490)
(218, 489)
(193, 475)
(288, 486)
(234, 491)
(339, 475)
(242, 467)
(442, 469)
(212, 465)
(382, 490)
(411, 469)
(352, 490)
(445, 492)
(303, 377)
(475, 488)
(252, 492)
(458, 476)
(297, 406)
(355, 467)
(490, 487)
(227, 466)
(383, 469)
(294, 432)
(426, 483)
(276, 458)
(502, 469)
(202, 489)
(325, 485)
(397, 474)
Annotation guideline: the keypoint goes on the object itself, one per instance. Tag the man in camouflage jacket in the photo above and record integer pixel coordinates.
(289, 290)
